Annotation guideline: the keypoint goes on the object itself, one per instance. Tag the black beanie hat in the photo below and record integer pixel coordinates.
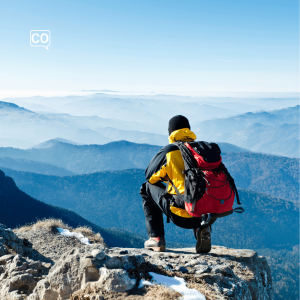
(178, 122)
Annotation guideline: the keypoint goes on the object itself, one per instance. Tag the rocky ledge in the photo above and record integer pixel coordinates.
(38, 263)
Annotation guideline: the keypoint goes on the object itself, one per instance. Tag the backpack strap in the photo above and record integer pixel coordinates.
(168, 198)
(231, 181)
(175, 188)
(188, 158)
(239, 210)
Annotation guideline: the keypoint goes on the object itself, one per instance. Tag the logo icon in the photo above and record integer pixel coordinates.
(40, 38)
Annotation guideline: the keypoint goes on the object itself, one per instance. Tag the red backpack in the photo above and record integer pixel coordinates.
(209, 188)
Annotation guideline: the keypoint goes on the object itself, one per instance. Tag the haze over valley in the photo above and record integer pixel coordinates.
(257, 124)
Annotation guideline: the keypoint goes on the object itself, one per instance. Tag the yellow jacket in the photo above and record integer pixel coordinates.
(168, 163)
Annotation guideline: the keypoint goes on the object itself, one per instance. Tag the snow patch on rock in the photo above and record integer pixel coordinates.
(79, 236)
(176, 283)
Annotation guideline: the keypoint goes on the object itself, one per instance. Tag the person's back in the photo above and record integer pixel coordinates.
(209, 194)
(167, 165)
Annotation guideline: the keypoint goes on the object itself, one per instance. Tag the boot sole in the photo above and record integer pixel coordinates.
(157, 249)
(203, 244)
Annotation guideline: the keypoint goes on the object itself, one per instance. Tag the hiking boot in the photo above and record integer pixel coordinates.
(156, 244)
(203, 236)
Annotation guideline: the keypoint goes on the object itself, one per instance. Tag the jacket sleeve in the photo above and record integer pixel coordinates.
(156, 168)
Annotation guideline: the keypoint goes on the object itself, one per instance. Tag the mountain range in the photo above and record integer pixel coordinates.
(268, 222)
(111, 199)
(159, 107)
(28, 128)
(274, 175)
(100, 119)
(85, 164)
(27, 165)
(275, 132)
(18, 209)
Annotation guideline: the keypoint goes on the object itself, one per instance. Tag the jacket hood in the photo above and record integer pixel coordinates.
(184, 135)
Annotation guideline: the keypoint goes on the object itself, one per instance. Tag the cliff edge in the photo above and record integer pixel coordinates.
(50, 261)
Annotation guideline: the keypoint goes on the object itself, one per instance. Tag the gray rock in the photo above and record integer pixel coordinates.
(123, 262)
(70, 273)
(47, 265)
(56, 267)
(36, 265)
(181, 269)
(16, 283)
(192, 263)
(32, 271)
(116, 280)
(10, 240)
(99, 254)
(203, 269)
(236, 273)
(43, 291)
(5, 258)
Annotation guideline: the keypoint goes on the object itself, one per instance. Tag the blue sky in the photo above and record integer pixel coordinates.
(159, 46)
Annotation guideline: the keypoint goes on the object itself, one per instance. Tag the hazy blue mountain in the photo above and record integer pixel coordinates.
(92, 158)
(275, 132)
(267, 132)
(134, 136)
(29, 128)
(26, 165)
(288, 115)
(162, 106)
(279, 140)
(152, 112)
(18, 208)
(237, 102)
(93, 122)
(16, 143)
(89, 158)
(20, 123)
(53, 142)
(273, 175)
(111, 199)
(148, 113)
(33, 106)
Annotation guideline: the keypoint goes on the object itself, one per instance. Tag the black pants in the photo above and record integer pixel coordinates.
(155, 204)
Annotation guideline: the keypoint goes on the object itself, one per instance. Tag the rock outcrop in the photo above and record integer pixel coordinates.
(38, 263)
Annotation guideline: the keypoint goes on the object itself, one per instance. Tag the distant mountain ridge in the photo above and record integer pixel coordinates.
(289, 115)
(25, 165)
(134, 136)
(275, 132)
(250, 170)
(31, 126)
(145, 121)
(12, 106)
(91, 158)
(112, 199)
(53, 142)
